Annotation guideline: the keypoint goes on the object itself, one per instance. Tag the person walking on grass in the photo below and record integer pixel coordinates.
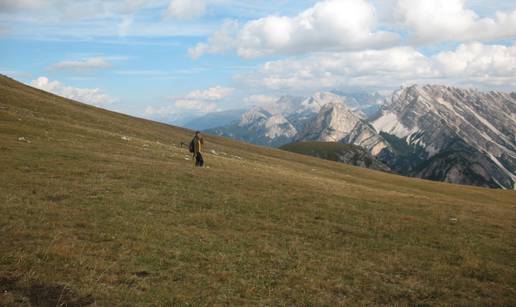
(196, 147)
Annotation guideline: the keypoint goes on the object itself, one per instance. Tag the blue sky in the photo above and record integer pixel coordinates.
(175, 59)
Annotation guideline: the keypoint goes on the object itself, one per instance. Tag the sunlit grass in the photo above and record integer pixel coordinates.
(121, 222)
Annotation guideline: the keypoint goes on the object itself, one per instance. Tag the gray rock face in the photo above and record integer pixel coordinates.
(259, 126)
(436, 132)
(365, 105)
(278, 123)
(337, 123)
(462, 136)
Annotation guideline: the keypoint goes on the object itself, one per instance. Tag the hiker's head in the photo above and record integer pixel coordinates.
(198, 133)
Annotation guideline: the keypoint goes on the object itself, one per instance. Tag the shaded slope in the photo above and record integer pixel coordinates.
(106, 205)
(338, 152)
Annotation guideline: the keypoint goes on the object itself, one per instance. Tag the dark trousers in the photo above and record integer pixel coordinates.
(199, 161)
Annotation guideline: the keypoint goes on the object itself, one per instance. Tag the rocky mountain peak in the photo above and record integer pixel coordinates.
(314, 103)
(438, 117)
(254, 115)
(333, 122)
(431, 131)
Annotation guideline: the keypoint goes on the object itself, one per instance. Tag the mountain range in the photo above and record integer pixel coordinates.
(434, 132)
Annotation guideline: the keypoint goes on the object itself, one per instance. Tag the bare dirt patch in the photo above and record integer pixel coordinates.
(14, 293)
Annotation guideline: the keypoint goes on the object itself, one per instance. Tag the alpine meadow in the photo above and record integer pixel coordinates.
(105, 209)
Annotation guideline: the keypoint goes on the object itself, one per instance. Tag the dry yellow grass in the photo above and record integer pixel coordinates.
(90, 218)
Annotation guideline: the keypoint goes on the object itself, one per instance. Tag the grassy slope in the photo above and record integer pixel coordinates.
(327, 150)
(117, 222)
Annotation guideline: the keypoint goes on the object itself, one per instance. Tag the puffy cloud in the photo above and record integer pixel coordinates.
(82, 65)
(473, 64)
(221, 40)
(444, 20)
(186, 9)
(264, 101)
(196, 102)
(92, 96)
(329, 25)
(327, 70)
(479, 63)
(212, 93)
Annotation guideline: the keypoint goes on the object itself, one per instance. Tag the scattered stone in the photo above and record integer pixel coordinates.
(454, 220)
(213, 152)
(57, 198)
(23, 139)
(186, 158)
(125, 138)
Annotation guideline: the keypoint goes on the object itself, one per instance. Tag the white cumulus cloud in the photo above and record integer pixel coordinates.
(196, 102)
(220, 41)
(186, 9)
(474, 64)
(329, 25)
(447, 20)
(93, 96)
(212, 93)
(329, 70)
(479, 63)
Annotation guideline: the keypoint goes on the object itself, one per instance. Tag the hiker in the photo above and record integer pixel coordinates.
(196, 147)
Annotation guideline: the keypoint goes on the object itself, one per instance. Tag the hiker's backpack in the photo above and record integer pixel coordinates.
(191, 147)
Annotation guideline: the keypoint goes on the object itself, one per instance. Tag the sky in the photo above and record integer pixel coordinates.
(173, 60)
